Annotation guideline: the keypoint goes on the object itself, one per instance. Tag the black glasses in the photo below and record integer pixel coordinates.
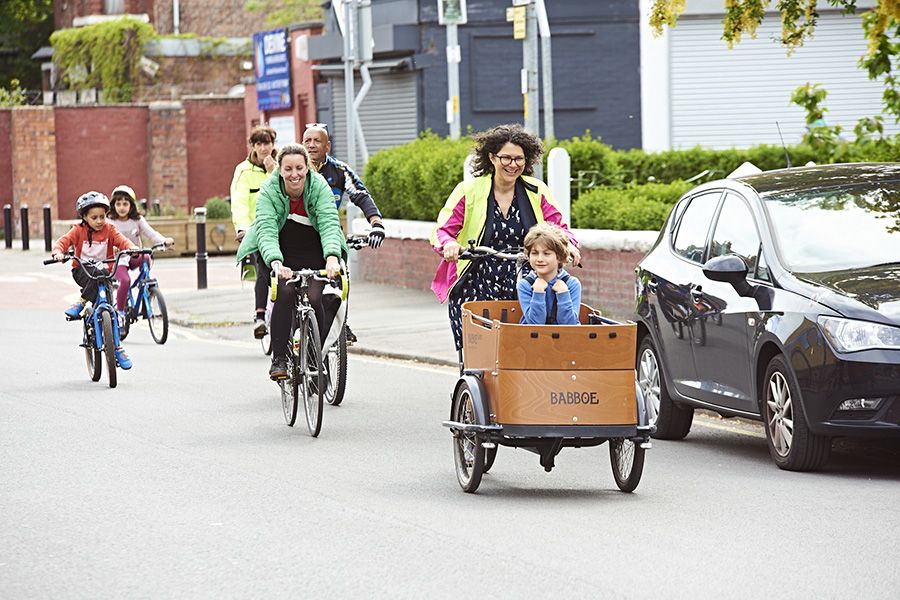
(317, 125)
(506, 160)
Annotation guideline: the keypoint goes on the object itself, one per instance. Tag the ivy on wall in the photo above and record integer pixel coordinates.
(104, 55)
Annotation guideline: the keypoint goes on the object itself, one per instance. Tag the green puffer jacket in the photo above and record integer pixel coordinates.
(272, 206)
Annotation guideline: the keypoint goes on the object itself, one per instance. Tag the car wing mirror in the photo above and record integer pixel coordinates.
(729, 269)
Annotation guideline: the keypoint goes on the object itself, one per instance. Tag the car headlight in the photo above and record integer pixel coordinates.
(852, 336)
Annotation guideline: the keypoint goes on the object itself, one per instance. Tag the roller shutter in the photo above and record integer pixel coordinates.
(389, 112)
(722, 98)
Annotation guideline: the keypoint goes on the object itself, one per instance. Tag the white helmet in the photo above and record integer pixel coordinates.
(86, 201)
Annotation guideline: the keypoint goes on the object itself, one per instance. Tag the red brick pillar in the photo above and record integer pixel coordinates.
(168, 176)
(33, 153)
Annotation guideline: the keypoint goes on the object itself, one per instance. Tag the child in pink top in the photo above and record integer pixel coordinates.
(132, 225)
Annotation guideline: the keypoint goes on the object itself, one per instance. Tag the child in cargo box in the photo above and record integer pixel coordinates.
(546, 248)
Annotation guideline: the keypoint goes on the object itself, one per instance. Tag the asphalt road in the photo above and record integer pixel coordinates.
(185, 482)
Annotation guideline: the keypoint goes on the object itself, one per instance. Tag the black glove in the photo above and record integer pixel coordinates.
(376, 236)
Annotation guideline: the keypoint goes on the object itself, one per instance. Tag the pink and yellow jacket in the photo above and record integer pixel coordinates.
(465, 217)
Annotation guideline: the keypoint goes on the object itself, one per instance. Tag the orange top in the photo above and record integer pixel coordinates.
(98, 245)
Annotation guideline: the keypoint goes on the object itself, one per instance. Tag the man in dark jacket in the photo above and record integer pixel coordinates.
(342, 179)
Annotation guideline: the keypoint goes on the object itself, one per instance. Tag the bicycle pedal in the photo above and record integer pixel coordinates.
(78, 318)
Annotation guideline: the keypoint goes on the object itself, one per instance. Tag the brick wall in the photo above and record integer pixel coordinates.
(607, 278)
(6, 177)
(184, 76)
(216, 18)
(167, 165)
(34, 162)
(216, 143)
(65, 12)
(98, 148)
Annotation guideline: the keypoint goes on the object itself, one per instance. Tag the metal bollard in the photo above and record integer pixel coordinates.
(145, 205)
(200, 218)
(7, 225)
(48, 230)
(156, 209)
(23, 211)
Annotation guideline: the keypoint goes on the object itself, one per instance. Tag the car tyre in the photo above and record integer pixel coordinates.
(791, 443)
(673, 421)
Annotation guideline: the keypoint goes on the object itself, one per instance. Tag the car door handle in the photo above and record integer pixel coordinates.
(696, 293)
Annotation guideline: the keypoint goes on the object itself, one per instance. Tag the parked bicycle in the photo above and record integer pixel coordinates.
(100, 322)
(306, 372)
(145, 300)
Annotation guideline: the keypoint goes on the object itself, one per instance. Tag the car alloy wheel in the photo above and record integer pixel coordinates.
(781, 414)
(648, 380)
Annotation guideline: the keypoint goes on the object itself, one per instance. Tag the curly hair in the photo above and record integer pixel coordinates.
(490, 141)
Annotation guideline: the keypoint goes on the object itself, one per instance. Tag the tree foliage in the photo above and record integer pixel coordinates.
(25, 26)
(281, 13)
(104, 55)
(799, 18)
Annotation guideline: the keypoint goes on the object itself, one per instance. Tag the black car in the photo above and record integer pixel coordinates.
(776, 296)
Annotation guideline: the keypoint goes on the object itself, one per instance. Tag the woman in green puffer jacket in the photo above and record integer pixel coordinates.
(296, 227)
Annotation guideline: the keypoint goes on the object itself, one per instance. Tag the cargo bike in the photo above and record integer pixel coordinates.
(543, 388)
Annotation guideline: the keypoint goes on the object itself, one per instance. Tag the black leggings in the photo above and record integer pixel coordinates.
(325, 307)
(88, 286)
(261, 288)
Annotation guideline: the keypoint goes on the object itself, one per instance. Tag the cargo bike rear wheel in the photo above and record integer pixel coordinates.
(468, 453)
(627, 459)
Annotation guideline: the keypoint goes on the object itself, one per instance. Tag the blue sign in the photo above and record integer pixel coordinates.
(273, 69)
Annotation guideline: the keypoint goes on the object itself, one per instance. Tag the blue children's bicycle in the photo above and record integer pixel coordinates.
(146, 300)
(101, 327)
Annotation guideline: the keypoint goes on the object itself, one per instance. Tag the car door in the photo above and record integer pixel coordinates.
(671, 276)
(724, 320)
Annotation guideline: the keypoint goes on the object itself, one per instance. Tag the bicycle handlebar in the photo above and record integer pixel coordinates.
(357, 242)
(69, 256)
(476, 252)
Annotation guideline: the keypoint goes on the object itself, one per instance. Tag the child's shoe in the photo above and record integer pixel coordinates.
(74, 311)
(122, 358)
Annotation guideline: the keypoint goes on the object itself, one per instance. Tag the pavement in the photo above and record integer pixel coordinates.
(388, 321)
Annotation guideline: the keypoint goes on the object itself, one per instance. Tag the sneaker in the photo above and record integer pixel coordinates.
(351, 337)
(74, 311)
(259, 328)
(278, 370)
(122, 358)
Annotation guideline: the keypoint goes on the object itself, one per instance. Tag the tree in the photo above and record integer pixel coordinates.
(281, 13)
(799, 18)
(25, 26)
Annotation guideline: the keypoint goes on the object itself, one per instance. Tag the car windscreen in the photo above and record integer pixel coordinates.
(832, 229)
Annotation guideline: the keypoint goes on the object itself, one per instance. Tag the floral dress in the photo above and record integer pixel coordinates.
(489, 278)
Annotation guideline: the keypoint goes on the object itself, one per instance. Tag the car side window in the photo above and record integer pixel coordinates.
(690, 239)
(762, 268)
(735, 233)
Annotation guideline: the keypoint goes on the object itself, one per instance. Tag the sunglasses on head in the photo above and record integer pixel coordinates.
(317, 125)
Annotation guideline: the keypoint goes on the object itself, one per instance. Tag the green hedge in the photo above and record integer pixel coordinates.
(633, 207)
(413, 181)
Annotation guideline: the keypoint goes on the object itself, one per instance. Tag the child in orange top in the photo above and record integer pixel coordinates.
(93, 238)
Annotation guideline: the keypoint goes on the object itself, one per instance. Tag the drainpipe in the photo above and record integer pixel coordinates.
(176, 16)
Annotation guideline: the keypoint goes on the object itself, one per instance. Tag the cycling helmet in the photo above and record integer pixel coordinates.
(124, 189)
(88, 200)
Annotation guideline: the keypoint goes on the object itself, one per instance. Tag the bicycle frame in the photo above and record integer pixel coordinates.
(139, 293)
(102, 303)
